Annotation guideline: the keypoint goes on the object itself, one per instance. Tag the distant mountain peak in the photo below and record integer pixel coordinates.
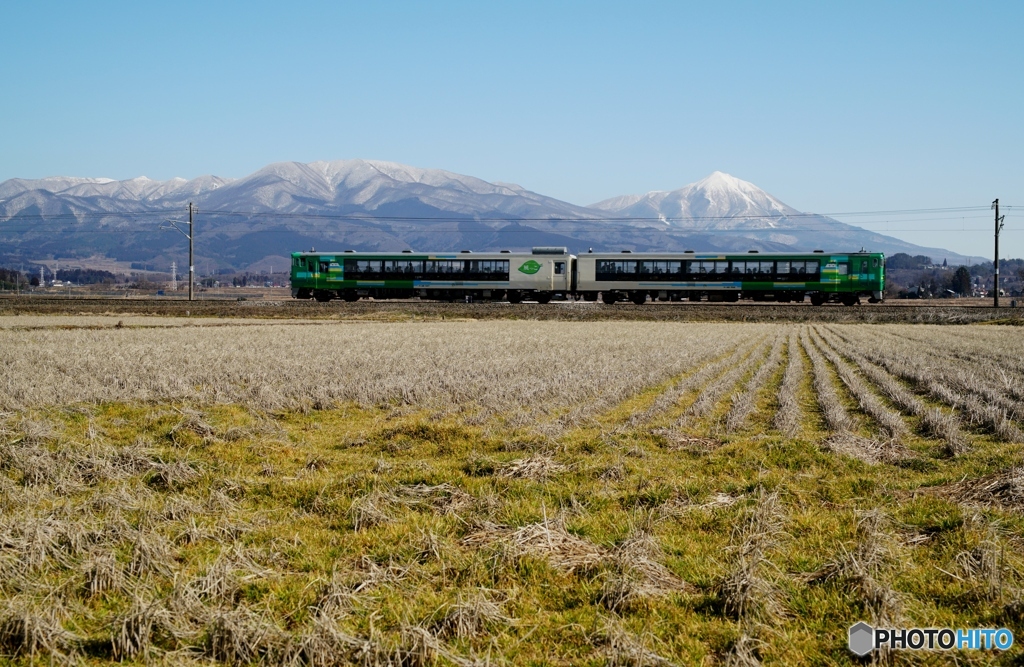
(717, 196)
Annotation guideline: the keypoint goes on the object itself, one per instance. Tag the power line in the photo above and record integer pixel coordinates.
(371, 217)
(669, 232)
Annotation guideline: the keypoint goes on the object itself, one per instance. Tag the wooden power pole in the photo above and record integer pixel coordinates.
(995, 263)
(192, 263)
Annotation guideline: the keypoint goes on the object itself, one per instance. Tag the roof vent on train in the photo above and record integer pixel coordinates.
(753, 251)
(820, 251)
(466, 251)
(689, 251)
(407, 251)
(350, 251)
(550, 250)
(627, 251)
(506, 251)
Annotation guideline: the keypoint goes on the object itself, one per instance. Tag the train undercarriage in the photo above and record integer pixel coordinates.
(638, 297)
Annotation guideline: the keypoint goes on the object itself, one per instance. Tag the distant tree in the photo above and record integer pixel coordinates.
(34, 280)
(902, 260)
(10, 279)
(961, 281)
(87, 276)
(944, 265)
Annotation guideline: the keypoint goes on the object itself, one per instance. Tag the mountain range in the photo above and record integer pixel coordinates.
(255, 221)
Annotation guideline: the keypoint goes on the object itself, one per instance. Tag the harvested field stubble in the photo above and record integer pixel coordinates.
(478, 493)
(541, 367)
(967, 387)
(787, 417)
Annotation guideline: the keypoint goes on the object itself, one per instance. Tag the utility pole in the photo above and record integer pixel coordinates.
(173, 224)
(174, 276)
(999, 227)
(192, 248)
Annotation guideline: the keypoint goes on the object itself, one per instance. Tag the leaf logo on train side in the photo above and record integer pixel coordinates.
(530, 267)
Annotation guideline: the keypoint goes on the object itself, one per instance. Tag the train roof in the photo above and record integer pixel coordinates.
(625, 254)
(565, 252)
(538, 250)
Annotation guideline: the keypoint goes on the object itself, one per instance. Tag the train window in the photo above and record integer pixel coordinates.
(401, 267)
(782, 268)
(488, 269)
(445, 269)
(610, 269)
(864, 266)
(364, 269)
(324, 267)
(802, 268)
(708, 270)
(844, 268)
(751, 268)
(559, 268)
(661, 269)
(874, 262)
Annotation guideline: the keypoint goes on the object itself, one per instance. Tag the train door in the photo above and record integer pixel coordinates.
(318, 270)
(559, 271)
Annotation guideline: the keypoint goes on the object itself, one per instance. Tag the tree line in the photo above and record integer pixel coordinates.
(917, 275)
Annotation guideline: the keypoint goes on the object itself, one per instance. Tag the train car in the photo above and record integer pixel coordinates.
(540, 275)
(729, 277)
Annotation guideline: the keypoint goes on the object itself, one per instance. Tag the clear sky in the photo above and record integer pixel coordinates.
(832, 107)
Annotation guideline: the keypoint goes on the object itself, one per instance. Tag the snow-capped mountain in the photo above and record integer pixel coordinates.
(374, 205)
(294, 187)
(719, 201)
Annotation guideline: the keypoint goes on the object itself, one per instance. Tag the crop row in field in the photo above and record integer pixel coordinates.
(935, 312)
(504, 492)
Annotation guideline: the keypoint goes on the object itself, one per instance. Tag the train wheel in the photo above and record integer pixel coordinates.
(542, 297)
(639, 298)
(514, 296)
(322, 297)
(817, 299)
(608, 298)
(349, 295)
(850, 299)
(304, 294)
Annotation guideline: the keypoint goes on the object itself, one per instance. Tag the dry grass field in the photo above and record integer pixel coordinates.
(175, 491)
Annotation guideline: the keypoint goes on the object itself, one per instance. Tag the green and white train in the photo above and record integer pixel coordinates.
(554, 273)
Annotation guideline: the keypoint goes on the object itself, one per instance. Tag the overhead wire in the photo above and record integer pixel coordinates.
(66, 221)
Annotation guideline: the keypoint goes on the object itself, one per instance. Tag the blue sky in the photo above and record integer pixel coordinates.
(832, 107)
